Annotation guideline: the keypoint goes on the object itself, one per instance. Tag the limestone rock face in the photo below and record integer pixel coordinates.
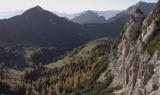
(149, 25)
(134, 25)
(133, 68)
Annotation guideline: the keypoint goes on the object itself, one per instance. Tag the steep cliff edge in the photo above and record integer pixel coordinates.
(135, 60)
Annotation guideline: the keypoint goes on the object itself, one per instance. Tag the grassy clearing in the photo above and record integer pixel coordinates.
(84, 50)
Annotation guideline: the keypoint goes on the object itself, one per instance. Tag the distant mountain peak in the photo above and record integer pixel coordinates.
(89, 17)
(90, 12)
(37, 12)
(36, 9)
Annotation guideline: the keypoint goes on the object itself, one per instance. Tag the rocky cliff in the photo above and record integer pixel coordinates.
(135, 60)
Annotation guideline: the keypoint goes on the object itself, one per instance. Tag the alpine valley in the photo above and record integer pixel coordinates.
(90, 53)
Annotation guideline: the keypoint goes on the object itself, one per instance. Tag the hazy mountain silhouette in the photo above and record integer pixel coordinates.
(89, 17)
(107, 14)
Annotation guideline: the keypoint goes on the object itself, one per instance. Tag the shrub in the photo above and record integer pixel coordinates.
(154, 44)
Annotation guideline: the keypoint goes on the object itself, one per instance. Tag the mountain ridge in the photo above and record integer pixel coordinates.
(126, 13)
(107, 14)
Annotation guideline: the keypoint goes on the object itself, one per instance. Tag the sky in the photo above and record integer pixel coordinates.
(68, 6)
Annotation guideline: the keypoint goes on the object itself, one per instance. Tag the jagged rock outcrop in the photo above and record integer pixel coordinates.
(134, 69)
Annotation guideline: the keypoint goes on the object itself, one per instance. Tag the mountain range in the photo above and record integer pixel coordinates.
(106, 14)
(44, 54)
(47, 28)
